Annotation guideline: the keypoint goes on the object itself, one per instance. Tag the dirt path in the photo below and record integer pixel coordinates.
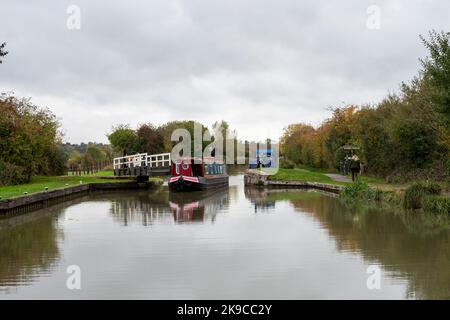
(338, 177)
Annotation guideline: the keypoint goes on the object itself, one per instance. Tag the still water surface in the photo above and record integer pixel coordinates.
(239, 243)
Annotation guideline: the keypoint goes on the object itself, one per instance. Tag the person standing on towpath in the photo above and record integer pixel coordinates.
(355, 167)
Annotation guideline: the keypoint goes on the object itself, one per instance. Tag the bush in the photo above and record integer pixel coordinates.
(287, 164)
(416, 193)
(28, 136)
(432, 188)
(414, 196)
(360, 190)
(448, 167)
(11, 174)
(438, 204)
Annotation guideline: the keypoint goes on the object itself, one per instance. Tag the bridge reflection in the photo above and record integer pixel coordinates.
(148, 208)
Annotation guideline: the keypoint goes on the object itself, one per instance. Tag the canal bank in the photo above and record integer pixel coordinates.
(42, 199)
(426, 196)
(255, 177)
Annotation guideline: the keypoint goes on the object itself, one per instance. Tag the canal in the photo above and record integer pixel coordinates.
(238, 243)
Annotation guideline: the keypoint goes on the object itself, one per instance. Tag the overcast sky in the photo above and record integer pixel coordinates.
(260, 65)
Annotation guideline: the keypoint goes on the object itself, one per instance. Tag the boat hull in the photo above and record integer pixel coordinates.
(187, 184)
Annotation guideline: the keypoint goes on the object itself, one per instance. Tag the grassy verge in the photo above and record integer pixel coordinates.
(39, 183)
(425, 196)
(303, 173)
(300, 174)
(431, 197)
(103, 173)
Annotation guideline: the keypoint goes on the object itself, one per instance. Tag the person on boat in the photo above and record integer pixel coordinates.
(355, 167)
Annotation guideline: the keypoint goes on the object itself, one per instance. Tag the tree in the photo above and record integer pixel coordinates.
(124, 139)
(96, 153)
(436, 69)
(167, 129)
(2, 51)
(29, 141)
(150, 139)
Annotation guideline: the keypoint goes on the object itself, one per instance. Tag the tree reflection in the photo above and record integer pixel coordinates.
(28, 246)
(410, 246)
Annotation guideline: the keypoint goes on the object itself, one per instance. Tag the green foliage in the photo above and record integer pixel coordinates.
(436, 69)
(287, 164)
(124, 139)
(416, 194)
(29, 140)
(11, 174)
(157, 139)
(404, 137)
(433, 188)
(437, 204)
(151, 139)
(360, 190)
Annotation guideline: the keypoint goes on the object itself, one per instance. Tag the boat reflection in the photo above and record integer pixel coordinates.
(198, 206)
(148, 208)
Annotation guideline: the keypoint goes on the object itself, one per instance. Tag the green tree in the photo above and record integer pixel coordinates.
(29, 141)
(150, 139)
(436, 69)
(96, 153)
(124, 139)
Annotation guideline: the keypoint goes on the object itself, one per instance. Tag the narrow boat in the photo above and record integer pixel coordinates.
(197, 174)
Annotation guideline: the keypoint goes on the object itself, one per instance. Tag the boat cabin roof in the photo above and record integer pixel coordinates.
(207, 160)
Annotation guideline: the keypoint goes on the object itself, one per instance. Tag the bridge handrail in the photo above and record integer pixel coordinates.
(142, 160)
(159, 160)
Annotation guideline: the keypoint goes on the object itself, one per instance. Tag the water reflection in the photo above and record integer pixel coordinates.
(408, 245)
(260, 201)
(148, 208)
(198, 206)
(312, 245)
(142, 207)
(28, 247)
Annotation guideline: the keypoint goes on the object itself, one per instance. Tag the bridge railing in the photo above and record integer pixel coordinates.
(142, 160)
(158, 160)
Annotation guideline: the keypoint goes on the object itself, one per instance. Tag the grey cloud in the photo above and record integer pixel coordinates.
(257, 64)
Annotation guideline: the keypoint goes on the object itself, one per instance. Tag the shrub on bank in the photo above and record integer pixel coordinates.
(287, 164)
(360, 190)
(11, 174)
(417, 193)
(438, 204)
(414, 195)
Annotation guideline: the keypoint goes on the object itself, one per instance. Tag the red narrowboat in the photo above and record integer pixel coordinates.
(201, 174)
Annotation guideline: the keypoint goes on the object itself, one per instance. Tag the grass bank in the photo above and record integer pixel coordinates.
(301, 174)
(430, 197)
(39, 183)
(427, 197)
